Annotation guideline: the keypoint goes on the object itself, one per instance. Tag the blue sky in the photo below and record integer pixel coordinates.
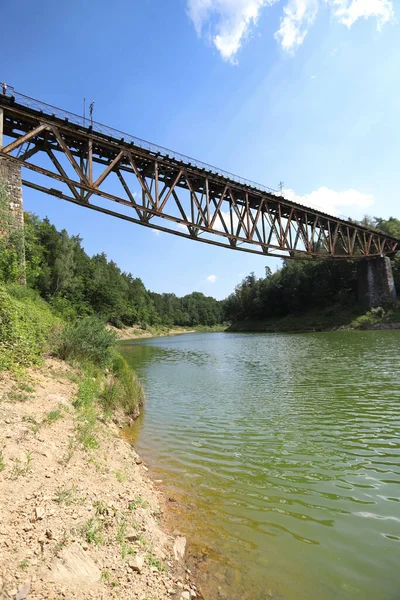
(303, 91)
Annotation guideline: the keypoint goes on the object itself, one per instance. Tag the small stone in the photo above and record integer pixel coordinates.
(185, 596)
(136, 564)
(28, 527)
(154, 569)
(138, 460)
(131, 535)
(171, 591)
(23, 592)
(40, 513)
(49, 534)
(179, 547)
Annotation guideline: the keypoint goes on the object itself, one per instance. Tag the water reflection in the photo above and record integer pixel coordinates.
(286, 452)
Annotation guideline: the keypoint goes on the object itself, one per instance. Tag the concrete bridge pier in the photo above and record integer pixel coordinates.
(375, 283)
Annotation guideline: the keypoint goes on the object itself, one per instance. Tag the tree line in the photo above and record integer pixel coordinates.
(303, 285)
(77, 285)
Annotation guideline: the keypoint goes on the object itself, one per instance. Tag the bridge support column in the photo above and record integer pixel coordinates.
(12, 210)
(375, 283)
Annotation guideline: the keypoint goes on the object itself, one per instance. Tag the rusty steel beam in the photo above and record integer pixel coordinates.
(209, 205)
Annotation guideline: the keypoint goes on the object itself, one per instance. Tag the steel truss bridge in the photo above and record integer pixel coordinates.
(106, 170)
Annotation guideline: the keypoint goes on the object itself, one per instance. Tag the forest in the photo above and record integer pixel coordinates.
(304, 285)
(77, 285)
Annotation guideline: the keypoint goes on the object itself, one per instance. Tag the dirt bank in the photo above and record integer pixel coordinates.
(77, 523)
(130, 333)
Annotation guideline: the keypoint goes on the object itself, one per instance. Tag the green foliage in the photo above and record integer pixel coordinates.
(21, 467)
(87, 392)
(123, 389)
(25, 328)
(85, 403)
(92, 531)
(138, 502)
(53, 416)
(86, 341)
(304, 287)
(77, 285)
(11, 242)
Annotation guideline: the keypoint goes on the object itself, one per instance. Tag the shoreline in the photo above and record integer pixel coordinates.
(135, 332)
(78, 522)
(261, 328)
(333, 318)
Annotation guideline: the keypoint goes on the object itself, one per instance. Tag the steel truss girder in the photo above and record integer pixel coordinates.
(205, 205)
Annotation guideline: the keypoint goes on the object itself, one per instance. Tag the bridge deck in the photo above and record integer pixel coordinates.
(96, 165)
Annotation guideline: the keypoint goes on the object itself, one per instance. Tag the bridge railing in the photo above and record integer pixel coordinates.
(82, 121)
(115, 133)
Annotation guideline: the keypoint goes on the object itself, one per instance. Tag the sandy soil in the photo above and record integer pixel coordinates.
(77, 523)
(130, 333)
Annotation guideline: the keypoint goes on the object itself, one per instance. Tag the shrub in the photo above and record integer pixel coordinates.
(123, 389)
(25, 328)
(367, 320)
(86, 341)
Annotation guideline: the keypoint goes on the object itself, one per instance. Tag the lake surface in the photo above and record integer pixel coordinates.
(283, 453)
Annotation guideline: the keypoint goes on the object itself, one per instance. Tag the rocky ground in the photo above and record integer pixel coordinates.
(78, 520)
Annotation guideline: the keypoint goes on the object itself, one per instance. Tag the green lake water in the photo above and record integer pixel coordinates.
(283, 453)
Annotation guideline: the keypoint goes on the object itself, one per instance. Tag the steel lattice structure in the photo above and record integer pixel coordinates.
(94, 166)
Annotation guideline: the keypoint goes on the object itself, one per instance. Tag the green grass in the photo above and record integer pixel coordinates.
(122, 390)
(86, 341)
(121, 477)
(121, 531)
(66, 458)
(68, 496)
(153, 562)
(2, 462)
(108, 578)
(138, 502)
(26, 325)
(86, 428)
(53, 416)
(17, 397)
(22, 468)
(92, 531)
(24, 564)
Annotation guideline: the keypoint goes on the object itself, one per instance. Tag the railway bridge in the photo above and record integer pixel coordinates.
(76, 159)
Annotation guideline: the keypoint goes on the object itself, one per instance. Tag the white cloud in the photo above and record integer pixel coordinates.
(349, 11)
(298, 17)
(156, 231)
(227, 23)
(211, 278)
(330, 201)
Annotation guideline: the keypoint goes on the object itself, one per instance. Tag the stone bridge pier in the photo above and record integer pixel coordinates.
(11, 207)
(375, 283)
